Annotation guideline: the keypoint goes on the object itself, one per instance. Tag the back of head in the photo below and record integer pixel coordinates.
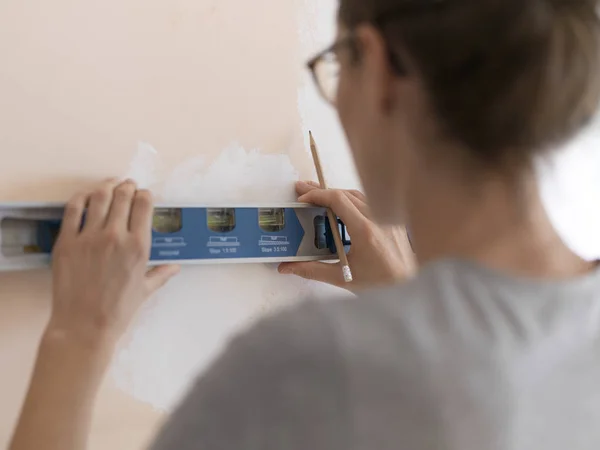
(506, 78)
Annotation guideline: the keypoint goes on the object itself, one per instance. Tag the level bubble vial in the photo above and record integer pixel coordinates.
(167, 220)
(271, 220)
(220, 220)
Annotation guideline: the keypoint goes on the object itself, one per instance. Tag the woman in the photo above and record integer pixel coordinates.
(493, 343)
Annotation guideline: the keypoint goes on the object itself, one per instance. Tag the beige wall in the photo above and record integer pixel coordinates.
(81, 83)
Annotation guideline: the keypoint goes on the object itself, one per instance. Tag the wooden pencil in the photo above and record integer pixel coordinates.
(339, 245)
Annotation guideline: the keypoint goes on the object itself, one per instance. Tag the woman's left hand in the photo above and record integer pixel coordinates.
(100, 275)
(100, 279)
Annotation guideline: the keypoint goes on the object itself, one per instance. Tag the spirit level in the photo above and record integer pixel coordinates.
(186, 234)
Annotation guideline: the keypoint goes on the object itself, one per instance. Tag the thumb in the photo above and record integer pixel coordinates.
(314, 270)
(158, 276)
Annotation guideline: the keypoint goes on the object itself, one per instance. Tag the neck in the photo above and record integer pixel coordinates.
(493, 222)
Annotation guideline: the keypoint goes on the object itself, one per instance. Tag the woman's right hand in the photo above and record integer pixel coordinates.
(378, 255)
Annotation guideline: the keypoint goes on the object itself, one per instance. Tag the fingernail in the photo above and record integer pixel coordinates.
(285, 271)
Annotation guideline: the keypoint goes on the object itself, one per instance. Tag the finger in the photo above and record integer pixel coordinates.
(339, 202)
(158, 276)
(302, 187)
(99, 205)
(361, 205)
(120, 209)
(73, 215)
(314, 270)
(141, 212)
(356, 197)
(359, 195)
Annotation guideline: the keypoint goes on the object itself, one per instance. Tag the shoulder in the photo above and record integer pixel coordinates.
(318, 323)
(326, 327)
(418, 317)
(332, 337)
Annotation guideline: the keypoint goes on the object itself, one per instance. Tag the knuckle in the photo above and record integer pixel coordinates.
(311, 197)
(126, 187)
(77, 199)
(338, 197)
(108, 184)
(100, 195)
(356, 193)
(73, 206)
(112, 236)
(144, 198)
(350, 196)
(123, 193)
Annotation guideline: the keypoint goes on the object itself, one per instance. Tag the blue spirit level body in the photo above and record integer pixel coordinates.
(186, 234)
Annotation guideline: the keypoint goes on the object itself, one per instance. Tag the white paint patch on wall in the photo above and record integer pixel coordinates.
(259, 176)
(184, 327)
(235, 173)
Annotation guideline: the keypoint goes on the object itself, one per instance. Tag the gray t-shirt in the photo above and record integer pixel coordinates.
(459, 358)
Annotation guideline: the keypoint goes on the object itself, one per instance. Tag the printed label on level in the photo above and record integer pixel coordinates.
(207, 233)
(273, 240)
(168, 242)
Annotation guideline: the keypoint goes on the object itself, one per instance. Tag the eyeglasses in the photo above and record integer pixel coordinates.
(325, 66)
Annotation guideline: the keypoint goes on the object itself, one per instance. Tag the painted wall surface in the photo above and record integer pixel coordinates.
(196, 99)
